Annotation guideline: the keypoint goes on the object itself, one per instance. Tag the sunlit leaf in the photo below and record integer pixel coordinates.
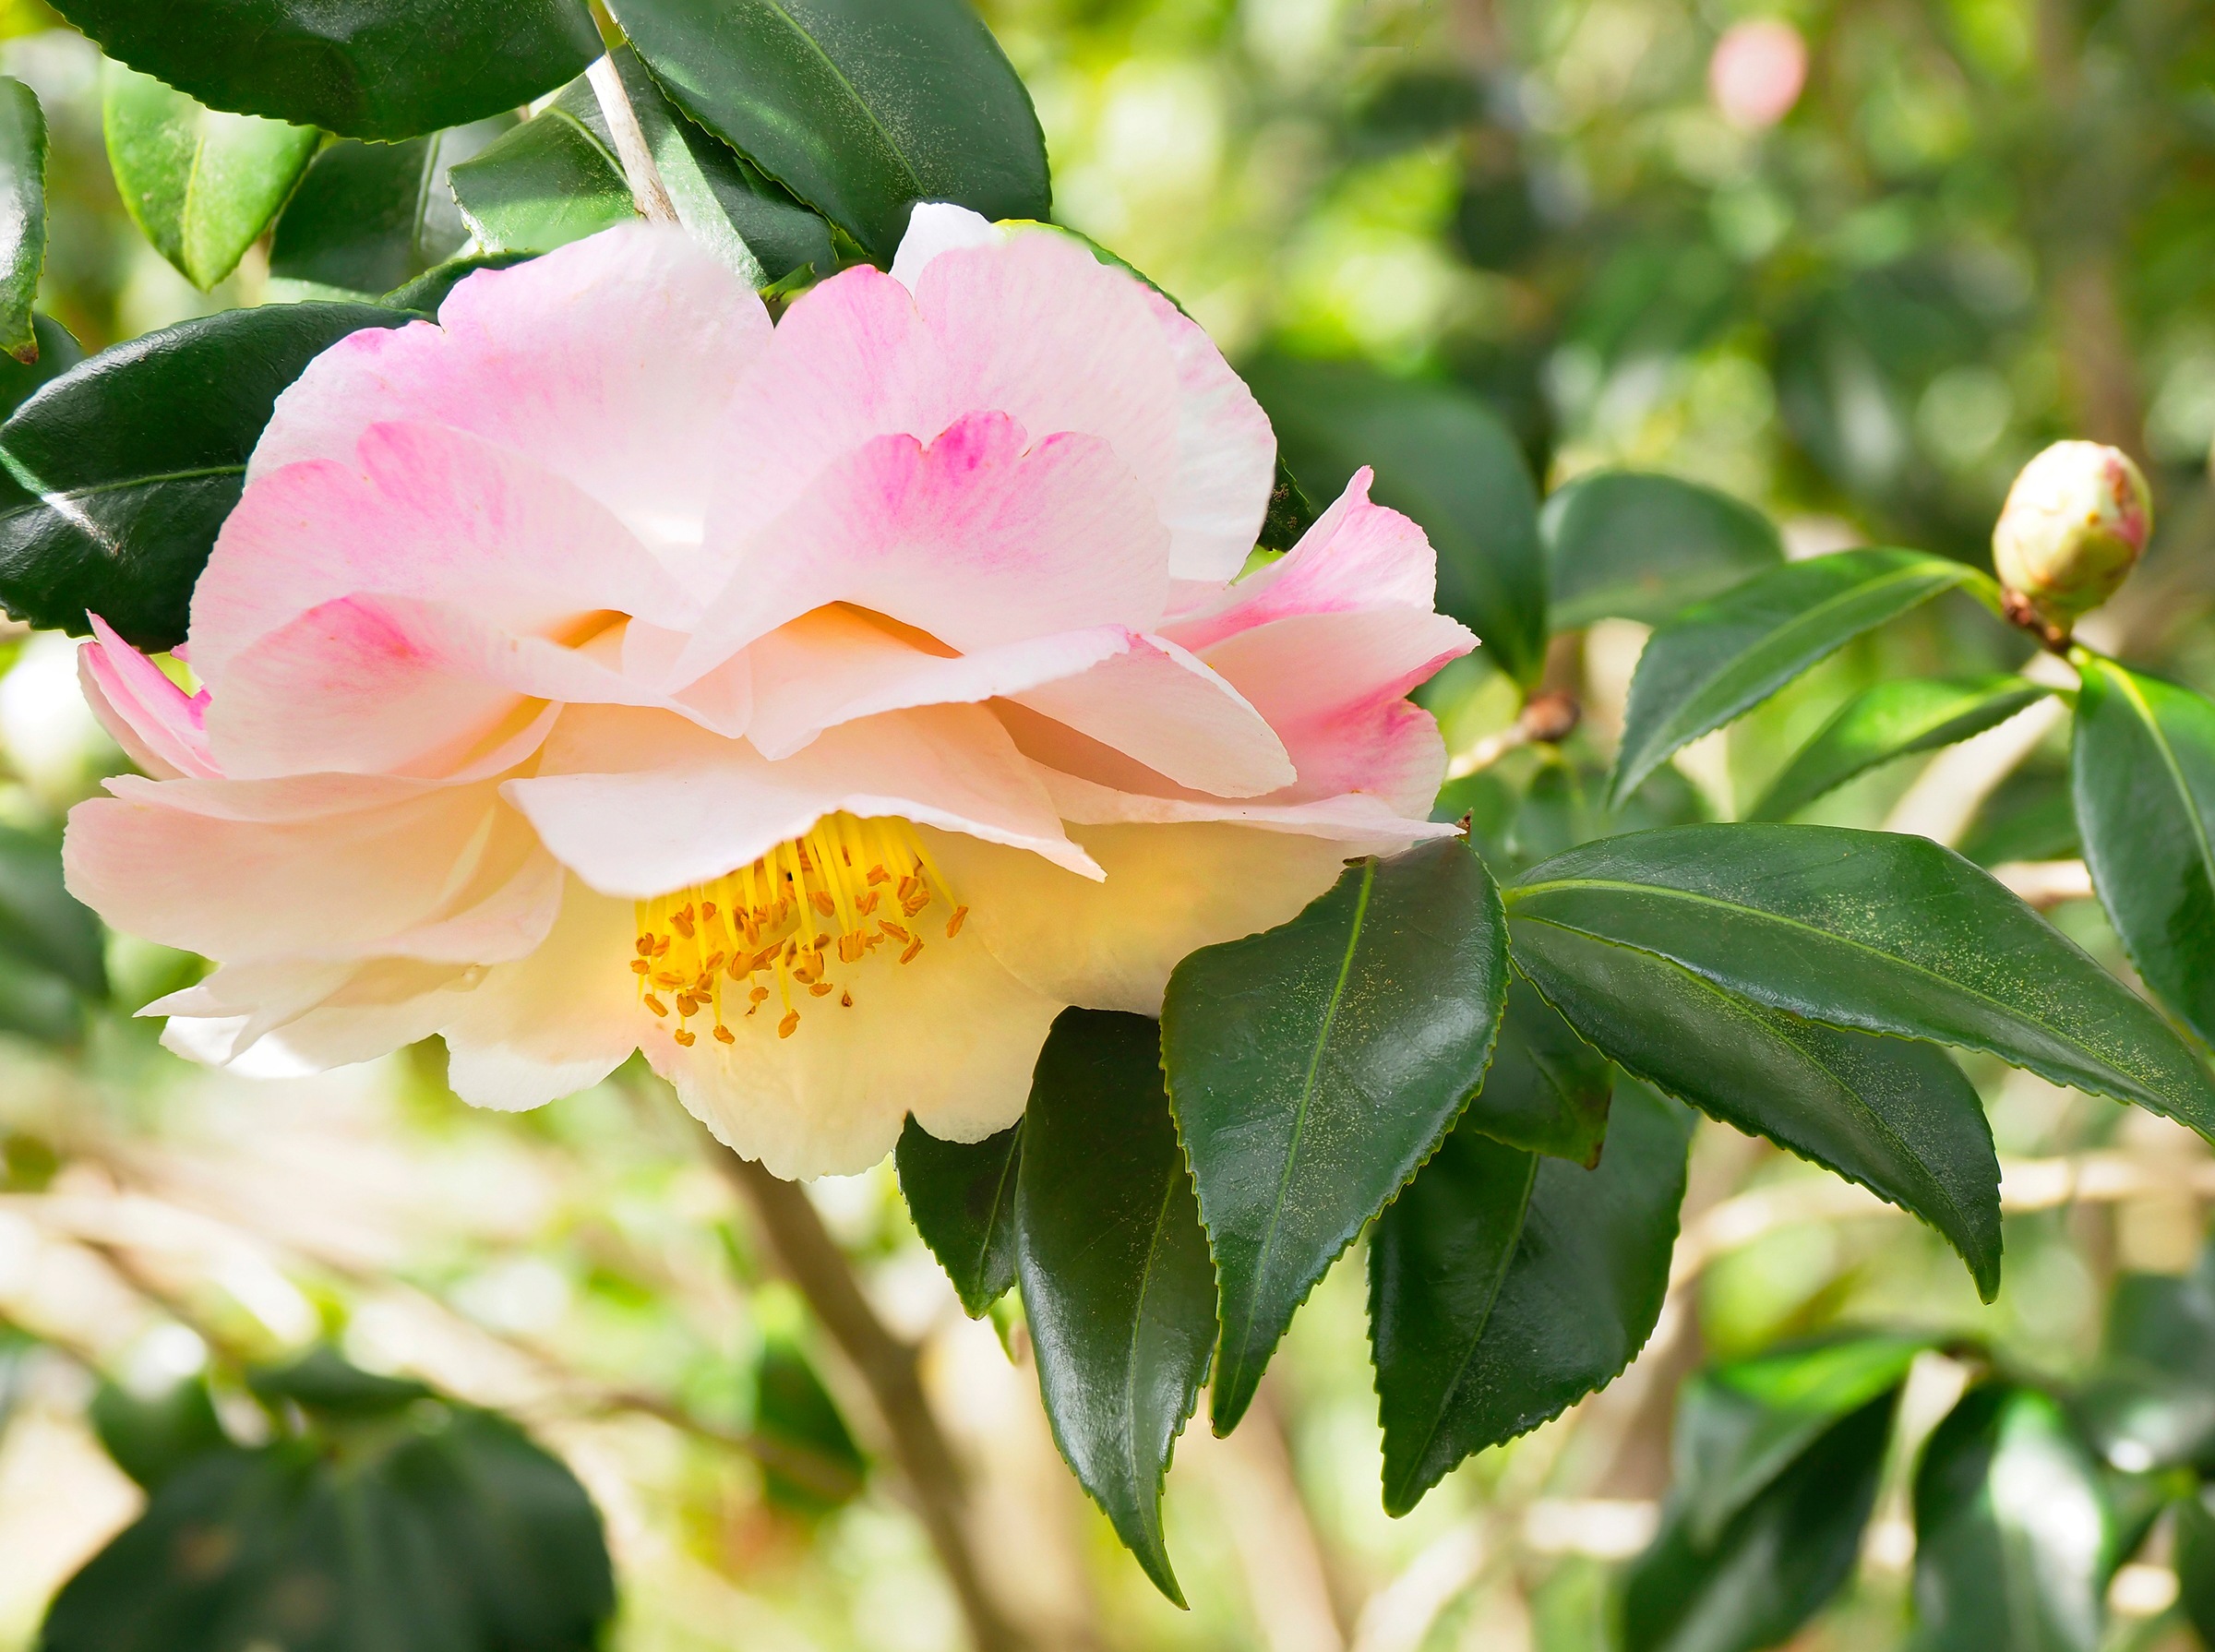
(961, 1195)
(22, 214)
(1625, 545)
(369, 217)
(1892, 720)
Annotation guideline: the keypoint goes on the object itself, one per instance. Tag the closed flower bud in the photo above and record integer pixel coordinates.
(2074, 526)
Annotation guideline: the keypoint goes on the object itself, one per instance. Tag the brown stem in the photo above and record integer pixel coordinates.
(887, 1367)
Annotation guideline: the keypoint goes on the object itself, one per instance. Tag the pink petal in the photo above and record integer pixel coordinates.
(971, 539)
(309, 1020)
(422, 511)
(639, 804)
(161, 727)
(1226, 456)
(607, 362)
(1356, 556)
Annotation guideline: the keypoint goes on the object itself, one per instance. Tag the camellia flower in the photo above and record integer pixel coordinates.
(2074, 524)
(817, 707)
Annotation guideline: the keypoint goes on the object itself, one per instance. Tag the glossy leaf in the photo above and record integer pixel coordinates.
(861, 108)
(1776, 1562)
(151, 1437)
(450, 1533)
(2142, 768)
(2029, 817)
(2195, 1562)
(1741, 1426)
(115, 476)
(1472, 1351)
(428, 291)
(552, 180)
(201, 185)
(57, 354)
(1892, 720)
(1722, 658)
(369, 217)
(2011, 1529)
(1315, 1066)
(365, 68)
(1889, 933)
(961, 1195)
(724, 201)
(793, 1409)
(1117, 1285)
(22, 215)
(1623, 545)
(1444, 458)
(1896, 1116)
(1547, 1090)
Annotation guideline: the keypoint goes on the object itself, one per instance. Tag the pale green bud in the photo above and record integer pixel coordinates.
(2074, 524)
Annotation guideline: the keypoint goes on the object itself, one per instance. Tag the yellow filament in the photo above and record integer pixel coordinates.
(808, 913)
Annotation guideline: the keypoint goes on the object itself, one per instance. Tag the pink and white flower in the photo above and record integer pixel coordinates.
(817, 707)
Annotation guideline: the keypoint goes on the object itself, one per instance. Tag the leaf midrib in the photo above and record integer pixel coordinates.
(1666, 892)
(853, 91)
(1148, 1511)
(1232, 1374)
(1002, 1193)
(2160, 736)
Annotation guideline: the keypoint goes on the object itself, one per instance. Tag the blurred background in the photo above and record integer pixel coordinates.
(1851, 262)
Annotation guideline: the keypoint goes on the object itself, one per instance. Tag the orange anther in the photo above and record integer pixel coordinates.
(791, 1022)
(953, 923)
(685, 1038)
(686, 1004)
(706, 912)
(656, 1005)
(682, 923)
(895, 930)
(646, 946)
(757, 995)
(640, 965)
(845, 999)
(867, 903)
(723, 1035)
(913, 948)
(822, 988)
(879, 875)
(823, 903)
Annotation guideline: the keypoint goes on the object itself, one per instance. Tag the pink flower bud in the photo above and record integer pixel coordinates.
(2074, 524)
(1757, 72)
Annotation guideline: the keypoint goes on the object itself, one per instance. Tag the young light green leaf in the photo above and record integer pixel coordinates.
(365, 68)
(552, 180)
(369, 217)
(1727, 655)
(1443, 457)
(1505, 1285)
(2142, 769)
(724, 201)
(1117, 1283)
(1894, 1116)
(1892, 720)
(1889, 933)
(1547, 1090)
(2011, 1529)
(22, 215)
(861, 108)
(1777, 1562)
(115, 476)
(202, 185)
(1623, 545)
(1741, 1425)
(1315, 1066)
(961, 1195)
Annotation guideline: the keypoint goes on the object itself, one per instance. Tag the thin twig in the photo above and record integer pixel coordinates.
(647, 190)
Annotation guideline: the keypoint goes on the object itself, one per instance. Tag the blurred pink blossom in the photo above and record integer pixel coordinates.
(1757, 72)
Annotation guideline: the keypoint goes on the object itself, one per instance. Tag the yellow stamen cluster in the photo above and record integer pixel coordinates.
(829, 899)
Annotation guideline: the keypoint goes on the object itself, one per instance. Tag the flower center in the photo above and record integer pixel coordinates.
(816, 904)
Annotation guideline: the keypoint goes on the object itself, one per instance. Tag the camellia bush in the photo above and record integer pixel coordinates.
(706, 568)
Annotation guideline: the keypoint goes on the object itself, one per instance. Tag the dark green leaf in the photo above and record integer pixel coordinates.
(1444, 458)
(2195, 1562)
(366, 68)
(428, 291)
(1892, 719)
(724, 201)
(1890, 933)
(114, 477)
(961, 1195)
(1727, 655)
(368, 217)
(2011, 1529)
(552, 180)
(861, 108)
(1313, 1067)
(57, 354)
(1776, 1562)
(1740, 1426)
(1290, 514)
(150, 1439)
(1547, 1090)
(1470, 1353)
(22, 215)
(1622, 545)
(2143, 771)
(202, 185)
(445, 1532)
(2029, 817)
(41, 923)
(322, 1383)
(793, 1409)
(1117, 1283)
(1894, 1116)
